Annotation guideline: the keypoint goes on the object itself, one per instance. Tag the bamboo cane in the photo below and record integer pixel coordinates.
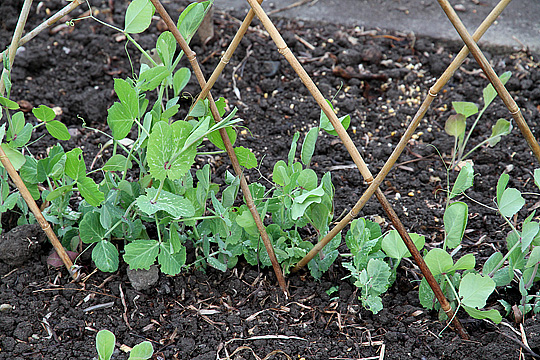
(439, 84)
(515, 111)
(50, 21)
(228, 146)
(11, 170)
(357, 158)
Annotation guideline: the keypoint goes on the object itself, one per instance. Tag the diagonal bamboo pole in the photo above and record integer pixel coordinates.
(50, 21)
(515, 111)
(11, 170)
(228, 53)
(439, 84)
(228, 146)
(357, 158)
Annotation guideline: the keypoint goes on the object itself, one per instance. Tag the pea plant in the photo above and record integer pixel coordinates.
(105, 343)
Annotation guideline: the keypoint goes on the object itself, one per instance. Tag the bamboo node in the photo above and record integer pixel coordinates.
(191, 57)
(370, 180)
(224, 61)
(515, 111)
(283, 50)
(432, 94)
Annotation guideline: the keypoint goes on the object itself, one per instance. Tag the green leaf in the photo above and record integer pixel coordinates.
(216, 264)
(128, 96)
(10, 104)
(142, 351)
(489, 91)
(307, 180)
(199, 109)
(465, 108)
(117, 162)
(59, 191)
(301, 202)
(166, 47)
(511, 202)
(246, 158)
(164, 143)
(466, 262)
(292, 150)
(529, 231)
(191, 18)
(492, 314)
(455, 222)
(180, 80)
(492, 262)
(464, 180)
(2, 131)
(151, 78)
(141, 254)
(438, 261)
(501, 186)
(536, 176)
(119, 120)
(394, 247)
(215, 137)
(22, 137)
(308, 147)
(455, 125)
(138, 16)
(105, 256)
(43, 113)
(90, 229)
(425, 294)
(105, 341)
(177, 206)
(75, 167)
(326, 125)
(501, 128)
(379, 273)
(17, 124)
(28, 171)
(15, 157)
(171, 263)
(474, 289)
(373, 303)
(90, 191)
(534, 257)
(280, 174)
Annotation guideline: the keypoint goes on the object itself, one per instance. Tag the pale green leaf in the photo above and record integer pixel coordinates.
(455, 125)
(308, 147)
(326, 125)
(75, 167)
(455, 222)
(511, 202)
(180, 80)
(141, 254)
(501, 128)
(58, 130)
(465, 108)
(177, 206)
(105, 341)
(119, 120)
(43, 113)
(216, 264)
(105, 256)
(394, 247)
(171, 263)
(464, 180)
(150, 78)
(215, 137)
(246, 158)
(492, 314)
(128, 96)
(489, 91)
(529, 231)
(501, 186)
(474, 290)
(534, 257)
(117, 162)
(138, 16)
(15, 157)
(439, 261)
(466, 262)
(142, 351)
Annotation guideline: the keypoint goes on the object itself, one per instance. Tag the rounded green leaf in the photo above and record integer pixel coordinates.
(141, 254)
(142, 351)
(465, 108)
(105, 256)
(180, 80)
(117, 162)
(58, 130)
(43, 113)
(455, 125)
(138, 16)
(105, 341)
(511, 202)
(438, 261)
(90, 229)
(474, 290)
(245, 156)
(308, 147)
(15, 157)
(215, 137)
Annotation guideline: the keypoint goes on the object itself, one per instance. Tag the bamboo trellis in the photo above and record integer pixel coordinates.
(374, 184)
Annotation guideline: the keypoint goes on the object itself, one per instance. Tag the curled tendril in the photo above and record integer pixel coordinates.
(70, 23)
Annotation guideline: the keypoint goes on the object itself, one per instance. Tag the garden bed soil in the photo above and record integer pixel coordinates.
(242, 314)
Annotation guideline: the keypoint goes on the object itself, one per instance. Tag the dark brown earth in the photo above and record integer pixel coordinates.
(242, 314)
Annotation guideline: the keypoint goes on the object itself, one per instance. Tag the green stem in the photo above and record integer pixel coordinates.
(509, 251)
(462, 148)
(474, 148)
(531, 280)
(157, 227)
(162, 182)
(146, 55)
(211, 152)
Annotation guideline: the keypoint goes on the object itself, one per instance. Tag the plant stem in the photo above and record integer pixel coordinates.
(161, 183)
(509, 251)
(462, 147)
(157, 227)
(146, 55)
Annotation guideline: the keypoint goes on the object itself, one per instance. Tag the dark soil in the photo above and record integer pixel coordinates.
(242, 314)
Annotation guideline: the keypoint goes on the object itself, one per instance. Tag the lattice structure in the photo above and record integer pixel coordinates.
(374, 183)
